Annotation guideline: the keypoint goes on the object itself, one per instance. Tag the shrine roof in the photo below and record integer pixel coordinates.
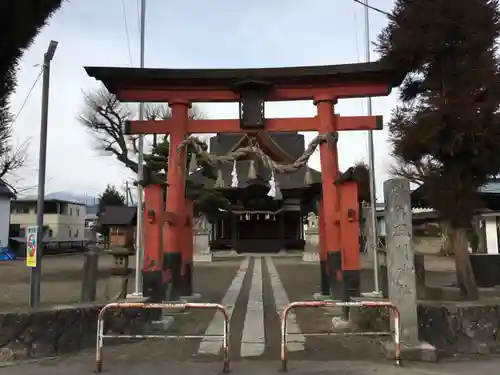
(287, 181)
(291, 143)
(114, 77)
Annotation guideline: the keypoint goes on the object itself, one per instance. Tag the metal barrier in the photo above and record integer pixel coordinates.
(137, 305)
(369, 304)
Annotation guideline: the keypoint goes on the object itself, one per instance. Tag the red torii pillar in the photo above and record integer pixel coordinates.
(175, 199)
(336, 210)
(330, 195)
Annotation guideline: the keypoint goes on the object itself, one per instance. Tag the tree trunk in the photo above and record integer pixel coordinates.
(465, 277)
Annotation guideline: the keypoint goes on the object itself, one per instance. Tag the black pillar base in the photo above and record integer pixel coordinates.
(172, 264)
(187, 279)
(325, 282)
(152, 286)
(351, 280)
(153, 289)
(334, 261)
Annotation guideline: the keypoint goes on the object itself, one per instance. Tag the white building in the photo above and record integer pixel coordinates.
(6, 195)
(63, 220)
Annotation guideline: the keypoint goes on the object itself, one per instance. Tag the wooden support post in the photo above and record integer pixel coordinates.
(349, 222)
(90, 273)
(330, 193)
(325, 282)
(187, 250)
(172, 259)
(153, 287)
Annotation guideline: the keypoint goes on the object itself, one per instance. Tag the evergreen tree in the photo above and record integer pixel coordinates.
(447, 124)
(207, 201)
(20, 23)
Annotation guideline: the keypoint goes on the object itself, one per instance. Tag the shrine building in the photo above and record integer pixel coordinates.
(257, 222)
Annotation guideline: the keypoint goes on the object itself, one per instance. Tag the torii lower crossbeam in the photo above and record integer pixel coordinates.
(272, 125)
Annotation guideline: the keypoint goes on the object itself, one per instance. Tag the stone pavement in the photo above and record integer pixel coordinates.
(259, 367)
(255, 290)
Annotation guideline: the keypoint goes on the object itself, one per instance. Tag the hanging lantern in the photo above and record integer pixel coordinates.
(248, 216)
(252, 94)
(242, 217)
(257, 216)
(267, 216)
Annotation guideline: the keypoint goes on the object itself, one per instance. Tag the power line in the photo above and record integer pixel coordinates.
(126, 32)
(373, 8)
(27, 97)
(138, 9)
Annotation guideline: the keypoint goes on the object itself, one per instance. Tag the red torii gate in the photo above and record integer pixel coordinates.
(324, 85)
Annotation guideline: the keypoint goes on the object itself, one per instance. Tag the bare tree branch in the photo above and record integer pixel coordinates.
(104, 116)
(11, 158)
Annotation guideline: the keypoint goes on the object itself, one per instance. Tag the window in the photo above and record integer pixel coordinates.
(76, 233)
(22, 209)
(51, 233)
(77, 212)
(70, 211)
(70, 233)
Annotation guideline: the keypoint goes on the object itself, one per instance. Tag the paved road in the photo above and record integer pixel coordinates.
(254, 290)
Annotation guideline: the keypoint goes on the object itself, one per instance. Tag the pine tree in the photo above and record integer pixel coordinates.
(207, 201)
(448, 122)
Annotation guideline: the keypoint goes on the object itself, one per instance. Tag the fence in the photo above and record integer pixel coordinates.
(360, 304)
(136, 305)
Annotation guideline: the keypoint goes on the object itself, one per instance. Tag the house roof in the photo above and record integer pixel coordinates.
(489, 193)
(114, 78)
(118, 215)
(34, 200)
(5, 190)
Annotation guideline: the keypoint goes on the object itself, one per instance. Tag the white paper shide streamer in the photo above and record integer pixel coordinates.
(234, 175)
(274, 191)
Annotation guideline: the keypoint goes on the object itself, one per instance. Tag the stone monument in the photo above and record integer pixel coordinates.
(401, 269)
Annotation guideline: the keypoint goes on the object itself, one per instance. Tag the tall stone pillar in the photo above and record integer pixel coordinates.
(401, 268)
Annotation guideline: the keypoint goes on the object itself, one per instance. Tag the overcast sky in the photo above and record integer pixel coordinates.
(185, 34)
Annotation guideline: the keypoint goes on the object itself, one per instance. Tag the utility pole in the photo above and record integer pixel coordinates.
(139, 243)
(371, 166)
(36, 272)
